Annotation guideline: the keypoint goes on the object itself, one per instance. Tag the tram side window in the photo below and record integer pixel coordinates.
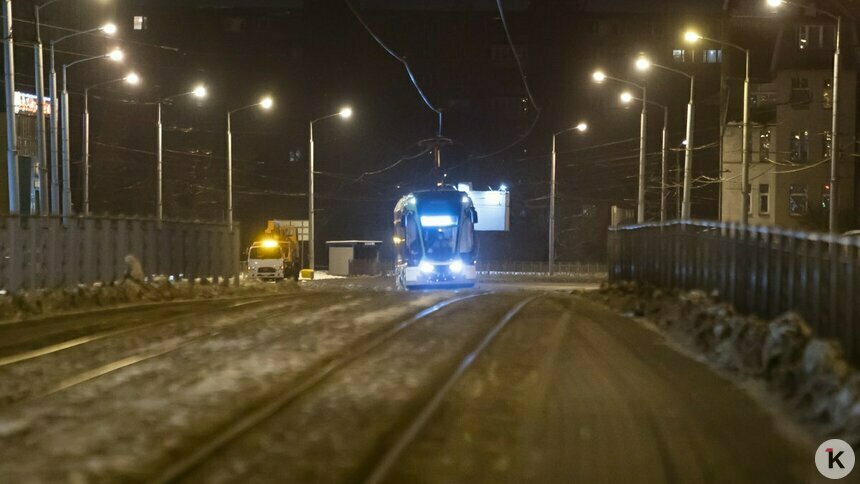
(467, 235)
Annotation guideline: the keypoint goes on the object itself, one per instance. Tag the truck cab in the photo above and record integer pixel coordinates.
(267, 261)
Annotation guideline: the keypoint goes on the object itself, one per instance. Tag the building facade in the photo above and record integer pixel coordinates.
(789, 165)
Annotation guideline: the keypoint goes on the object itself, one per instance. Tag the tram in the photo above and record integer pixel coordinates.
(434, 235)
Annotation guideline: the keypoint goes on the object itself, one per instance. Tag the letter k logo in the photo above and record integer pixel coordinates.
(834, 459)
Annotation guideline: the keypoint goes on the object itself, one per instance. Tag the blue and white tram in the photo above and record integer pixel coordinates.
(434, 234)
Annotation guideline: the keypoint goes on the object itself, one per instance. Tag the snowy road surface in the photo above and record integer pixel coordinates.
(358, 383)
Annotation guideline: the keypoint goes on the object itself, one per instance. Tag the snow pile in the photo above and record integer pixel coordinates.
(809, 374)
(323, 275)
(28, 304)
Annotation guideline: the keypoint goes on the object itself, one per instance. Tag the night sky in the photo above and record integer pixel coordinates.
(315, 57)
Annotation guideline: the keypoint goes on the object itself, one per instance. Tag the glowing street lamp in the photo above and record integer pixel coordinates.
(108, 29)
(693, 37)
(600, 77)
(115, 55)
(199, 92)
(581, 127)
(627, 98)
(643, 63)
(266, 104)
(344, 113)
(131, 79)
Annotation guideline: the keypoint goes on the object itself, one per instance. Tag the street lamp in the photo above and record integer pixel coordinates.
(693, 37)
(581, 127)
(626, 98)
(834, 128)
(600, 77)
(55, 109)
(344, 113)
(115, 55)
(643, 63)
(265, 103)
(198, 92)
(131, 79)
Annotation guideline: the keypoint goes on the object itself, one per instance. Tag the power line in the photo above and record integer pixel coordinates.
(403, 61)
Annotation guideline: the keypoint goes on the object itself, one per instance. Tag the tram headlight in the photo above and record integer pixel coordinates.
(425, 267)
(456, 266)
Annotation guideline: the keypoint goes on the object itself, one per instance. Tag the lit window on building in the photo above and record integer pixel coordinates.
(712, 56)
(800, 93)
(139, 22)
(764, 145)
(679, 56)
(799, 146)
(825, 196)
(798, 200)
(826, 144)
(827, 94)
(763, 199)
(810, 37)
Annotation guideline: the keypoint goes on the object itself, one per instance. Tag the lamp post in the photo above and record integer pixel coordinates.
(627, 98)
(55, 112)
(132, 79)
(834, 128)
(693, 37)
(115, 55)
(644, 64)
(344, 113)
(581, 127)
(599, 77)
(199, 92)
(265, 103)
(11, 135)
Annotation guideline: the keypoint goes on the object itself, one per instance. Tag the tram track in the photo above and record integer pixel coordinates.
(69, 330)
(304, 387)
(52, 348)
(137, 357)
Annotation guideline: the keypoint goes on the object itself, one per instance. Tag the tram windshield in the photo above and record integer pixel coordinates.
(440, 242)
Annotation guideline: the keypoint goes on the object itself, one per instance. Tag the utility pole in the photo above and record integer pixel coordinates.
(834, 136)
(686, 204)
(643, 119)
(40, 116)
(11, 136)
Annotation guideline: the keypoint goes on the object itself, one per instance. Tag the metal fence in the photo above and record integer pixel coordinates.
(44, 252)
(760, 270)
(533, 267)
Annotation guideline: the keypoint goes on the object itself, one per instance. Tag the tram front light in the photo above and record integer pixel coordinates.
(425, 267)
(456, 266)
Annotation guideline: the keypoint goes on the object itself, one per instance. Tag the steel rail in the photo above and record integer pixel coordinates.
(295, 389)
(133, 359)
(389, 459)
(98, 336)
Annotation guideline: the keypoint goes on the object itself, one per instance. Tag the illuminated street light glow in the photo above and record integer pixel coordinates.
(199, 91)
(345, 113)
(691, 36)
(598, 76)
(626, 97)
(267, 103)
(774, 3)
(132, 79)
(116, 55)
(582, 127)
(109, 28)
(643, 63)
